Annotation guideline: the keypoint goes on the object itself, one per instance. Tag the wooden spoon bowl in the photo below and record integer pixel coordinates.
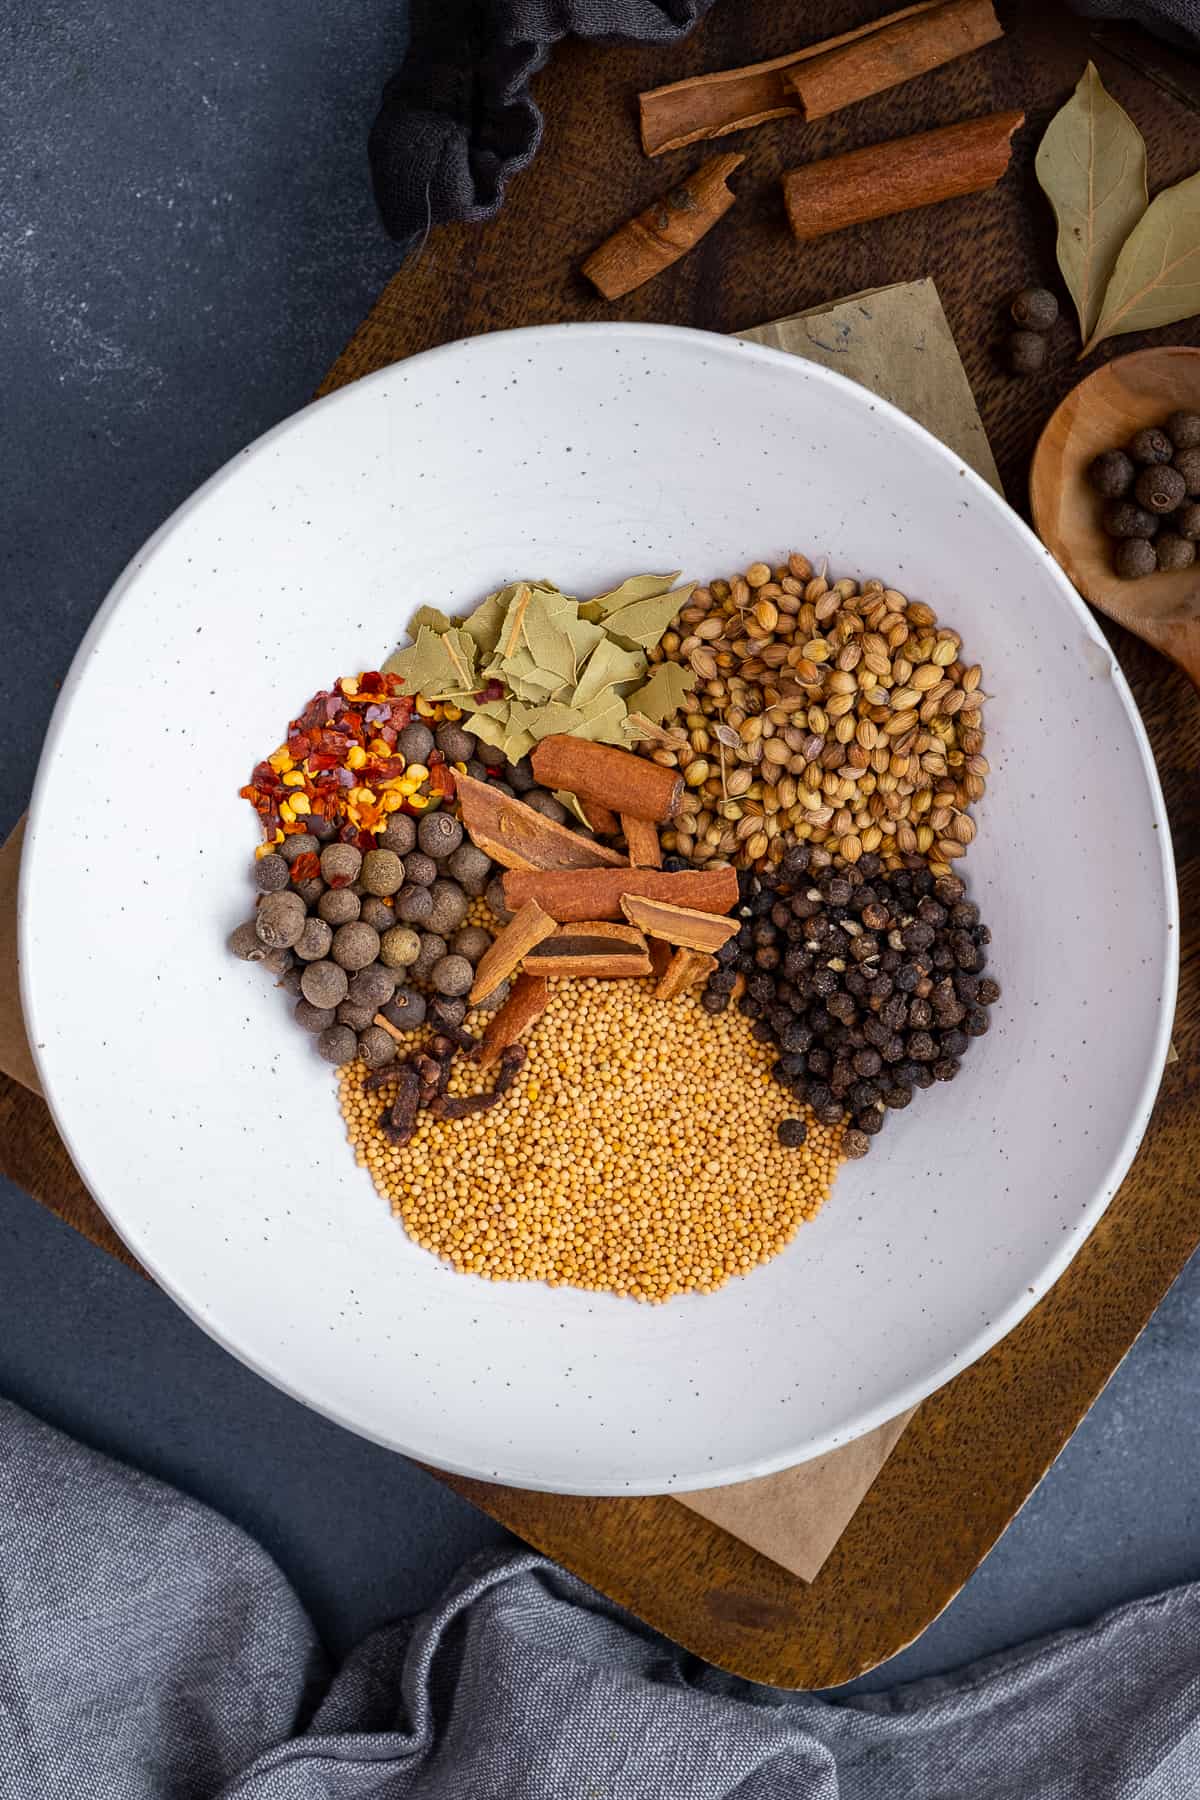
(1103, 413)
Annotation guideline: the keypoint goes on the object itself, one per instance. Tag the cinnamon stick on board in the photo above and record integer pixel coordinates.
(616, 778)
(658, 237)
(569, 895)
(708, 106)
(899, 176)
(896, 51)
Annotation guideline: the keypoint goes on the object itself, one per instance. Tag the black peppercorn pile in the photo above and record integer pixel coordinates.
(870, 982)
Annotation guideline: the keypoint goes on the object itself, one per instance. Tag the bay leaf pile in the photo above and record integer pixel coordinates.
(531, 661)
(1129, 263)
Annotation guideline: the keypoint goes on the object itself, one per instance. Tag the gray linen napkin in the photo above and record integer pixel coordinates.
(150, 1651)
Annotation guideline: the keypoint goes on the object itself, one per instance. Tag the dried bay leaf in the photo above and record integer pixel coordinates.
(1157, 277)
(602, 719)
(440, 666)
(638, 587)
(608, 666)
(430, 615)
(643, 623)
(485, 622)
(1091, 165)
(556, 716)
(664, 693)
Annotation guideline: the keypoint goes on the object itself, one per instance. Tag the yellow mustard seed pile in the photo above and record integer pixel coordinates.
(636, 1153)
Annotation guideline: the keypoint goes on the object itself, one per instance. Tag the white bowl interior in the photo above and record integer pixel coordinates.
(207, 1128)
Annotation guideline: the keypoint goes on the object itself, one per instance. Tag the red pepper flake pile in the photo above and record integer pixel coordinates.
(341, 763)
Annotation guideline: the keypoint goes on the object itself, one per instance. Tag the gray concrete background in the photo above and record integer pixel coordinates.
(186, 240)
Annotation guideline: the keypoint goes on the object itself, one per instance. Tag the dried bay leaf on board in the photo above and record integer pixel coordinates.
(439, 665)
(1157, 277)
(1091, 165)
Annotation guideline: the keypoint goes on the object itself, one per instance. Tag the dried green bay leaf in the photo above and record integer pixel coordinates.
(439, 665)
(609, 666)
(1091, 165)
(431, 616)
(573, 804)
(638, 587)
(643, 623)
(485, 622)
(602, 719)
(555, 716)
(491, 729)
(1157, 277)
(664, 693)
(544, 629)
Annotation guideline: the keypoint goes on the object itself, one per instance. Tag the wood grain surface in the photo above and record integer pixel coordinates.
(974, 1451)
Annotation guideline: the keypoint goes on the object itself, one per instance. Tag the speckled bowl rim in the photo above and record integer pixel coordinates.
(39, 843)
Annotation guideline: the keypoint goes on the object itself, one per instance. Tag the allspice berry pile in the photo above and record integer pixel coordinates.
(1151, 493)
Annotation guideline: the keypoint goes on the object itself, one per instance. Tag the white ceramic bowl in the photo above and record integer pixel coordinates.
(207, 1128)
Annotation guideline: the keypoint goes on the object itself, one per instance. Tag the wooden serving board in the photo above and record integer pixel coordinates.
(975, 1451)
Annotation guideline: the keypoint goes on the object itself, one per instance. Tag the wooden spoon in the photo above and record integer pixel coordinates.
(1103, 413)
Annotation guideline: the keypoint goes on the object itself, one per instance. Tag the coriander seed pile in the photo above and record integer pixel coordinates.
(639, 1152)
(827, 713)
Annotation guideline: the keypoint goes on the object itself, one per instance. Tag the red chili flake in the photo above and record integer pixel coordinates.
(350, 721)
(441, 781)
(306, 866)
(388, 733)
(323, 759)
(372, 679)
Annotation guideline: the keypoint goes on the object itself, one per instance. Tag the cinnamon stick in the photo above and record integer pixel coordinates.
(602, 819)
(685, 968)
(528, 1000)
(658, 237)
(641, 841)
(898, 50)
(709, 106)
(594, 950)
(617, 778)
(660, 957)
(517, 837)
(682, 926)
(898, 176)
(510, 949)
(570, 895)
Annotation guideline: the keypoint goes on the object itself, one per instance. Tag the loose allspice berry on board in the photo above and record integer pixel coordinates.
(1183, 429)
(1112, 474)
(1026, 352)
(1174, 552)
(1034, 309)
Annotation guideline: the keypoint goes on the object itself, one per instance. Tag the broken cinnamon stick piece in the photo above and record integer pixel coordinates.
(708, 106)
(666, 231)
(517, 837)
(602, 819)
(679, 925)
(641, 841)
(899, 176)
(685, 968)
(570, 895)
(898, 50)
(511, 948)
(617, 778)
(592, 949)
(660, 957)
(528, 1000)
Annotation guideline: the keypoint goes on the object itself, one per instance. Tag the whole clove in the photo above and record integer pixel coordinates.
(400, 1123)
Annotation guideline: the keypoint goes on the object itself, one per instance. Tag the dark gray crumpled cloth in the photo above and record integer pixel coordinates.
(459, 118)
(150, 1651)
